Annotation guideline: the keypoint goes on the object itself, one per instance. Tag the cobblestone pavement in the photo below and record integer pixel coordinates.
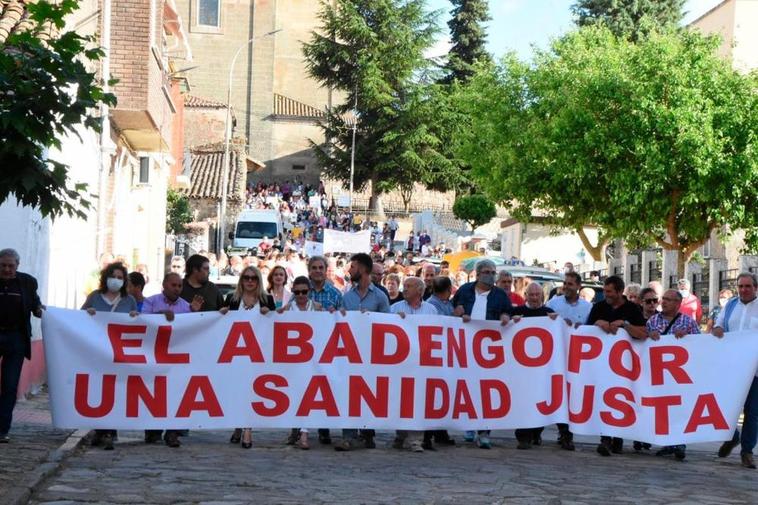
(208, 470)
(32, 440)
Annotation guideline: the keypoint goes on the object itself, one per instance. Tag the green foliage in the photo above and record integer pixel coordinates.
(476, 210)
(653, 141)
(178, 212)
(629, 18)
(46, 91)
(373, 50)
(469, 38)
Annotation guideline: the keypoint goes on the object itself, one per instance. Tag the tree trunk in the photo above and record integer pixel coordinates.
(375, 203)
(681, 261)
(596, 251)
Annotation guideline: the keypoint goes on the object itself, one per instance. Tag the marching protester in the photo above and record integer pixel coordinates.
(615, 312)
(197, 286)
(650, 302)
(321, 291)
(277, 286)
(168, 303)
(724, 296)
(135, 285)
(632, 293)
(18, 302)
(413, 291)
(505, 282)
(535, 307)
(741, 313)
(443, 290)
(690, 302)
(428, 273)
(364, 296)
(248, 295)
(671, 321)
(482, 300)
(377, 276)
(300, 302)
(392, 283)
(177, 265)
(110, 296)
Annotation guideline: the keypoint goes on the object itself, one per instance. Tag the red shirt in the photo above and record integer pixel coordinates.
(691, 307)
(516, 299)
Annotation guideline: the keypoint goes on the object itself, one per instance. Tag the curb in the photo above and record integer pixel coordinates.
(54, 460)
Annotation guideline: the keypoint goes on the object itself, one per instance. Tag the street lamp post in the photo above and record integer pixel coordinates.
(227, 138)
(352, 149)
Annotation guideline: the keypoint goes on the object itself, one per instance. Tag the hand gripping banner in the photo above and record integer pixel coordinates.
(321, 370)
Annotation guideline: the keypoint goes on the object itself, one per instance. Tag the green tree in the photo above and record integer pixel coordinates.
(178, 212)
(46, 91)
(469, 38)
(653, 142)
(476, 210)
(629, 18)
(372, 51)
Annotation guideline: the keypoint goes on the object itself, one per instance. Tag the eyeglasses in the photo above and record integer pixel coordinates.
(651, 300)
(249, 278)
(300, 291)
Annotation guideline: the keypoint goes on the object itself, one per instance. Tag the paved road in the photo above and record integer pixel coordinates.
(208, 470)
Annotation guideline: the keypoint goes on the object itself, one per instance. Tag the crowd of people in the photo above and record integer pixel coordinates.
(287, 281)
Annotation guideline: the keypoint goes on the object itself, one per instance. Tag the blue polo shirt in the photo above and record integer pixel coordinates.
(374, 301)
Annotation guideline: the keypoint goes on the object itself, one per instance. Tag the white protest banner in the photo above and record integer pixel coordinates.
(313, 370)
(313, 248)
(347, 242)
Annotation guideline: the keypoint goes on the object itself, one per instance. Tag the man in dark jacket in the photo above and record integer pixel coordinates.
(18, 301)
(481, 300)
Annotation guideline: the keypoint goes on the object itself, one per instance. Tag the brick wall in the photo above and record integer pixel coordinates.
(130, 52)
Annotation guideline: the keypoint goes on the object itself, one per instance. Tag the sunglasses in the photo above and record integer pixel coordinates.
(300, 291)
(250, 278)
(650, 300)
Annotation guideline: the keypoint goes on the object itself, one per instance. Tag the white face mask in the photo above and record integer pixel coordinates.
(114, 284)
(684, 292)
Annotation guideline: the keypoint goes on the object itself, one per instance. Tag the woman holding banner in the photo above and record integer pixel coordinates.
(300, 302)
(277, 286)
(248, 295)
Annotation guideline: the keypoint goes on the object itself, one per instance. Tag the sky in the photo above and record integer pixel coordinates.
(518, 24)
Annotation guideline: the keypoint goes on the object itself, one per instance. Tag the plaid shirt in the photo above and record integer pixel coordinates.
(683, 322)
(328, 297)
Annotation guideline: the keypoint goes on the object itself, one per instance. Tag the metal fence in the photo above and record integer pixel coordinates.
(728, 279)
(700, 287)
(656, 269)
(619, 271)
(635, 273)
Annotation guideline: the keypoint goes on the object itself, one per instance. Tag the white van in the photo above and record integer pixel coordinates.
(253, 225)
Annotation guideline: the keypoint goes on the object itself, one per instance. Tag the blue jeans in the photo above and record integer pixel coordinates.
(12, 355)
(750, 421)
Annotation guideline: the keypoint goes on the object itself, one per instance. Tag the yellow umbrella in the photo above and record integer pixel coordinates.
(455, 259)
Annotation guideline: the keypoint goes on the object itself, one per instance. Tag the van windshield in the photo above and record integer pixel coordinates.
(255, 229)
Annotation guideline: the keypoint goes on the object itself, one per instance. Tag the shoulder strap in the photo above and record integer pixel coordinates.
(671, 323)
(730, 305)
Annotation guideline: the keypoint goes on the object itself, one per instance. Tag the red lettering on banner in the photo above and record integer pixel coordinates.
(341, 333)
(379, 332)
(680, 356)
(661, 406)
(496, 352)
(546, 347)
(162, 354)
(582, 348)
(81, 396)
(588, 400)
(462, 403)
(556, 396)
(319, 385)
(486, 387)
(231, 349)
(714, 417)
(432, 386)
(612, 400)
(407, 395)
(617, 364)
(283, 342)
(359, 391)
(427, 344)
(207, 402)
(457, 348)
(118, 344)
(137, 390)
(261, 388)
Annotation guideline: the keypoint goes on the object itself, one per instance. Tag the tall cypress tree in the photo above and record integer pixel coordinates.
(468, 36)
(625, 17)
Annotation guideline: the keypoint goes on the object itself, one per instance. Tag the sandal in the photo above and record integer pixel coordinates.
(236, 436)
(247, 439)
(302, 442)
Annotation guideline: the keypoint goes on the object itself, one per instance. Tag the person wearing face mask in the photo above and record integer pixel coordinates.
(724, 296)
(481, 300)
(110, 296)
(690, 302)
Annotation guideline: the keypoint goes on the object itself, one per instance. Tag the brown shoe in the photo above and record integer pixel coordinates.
(747, 461)
(172, 439)
(727, 448)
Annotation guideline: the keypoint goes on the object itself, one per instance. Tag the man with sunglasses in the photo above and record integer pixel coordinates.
(741, 313)
(650, 303)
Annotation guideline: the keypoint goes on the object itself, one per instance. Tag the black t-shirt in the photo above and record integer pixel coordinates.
(209, 291)
(428, 292)
(398, 298)
(524, 311)
(11, 304)
(629, 311)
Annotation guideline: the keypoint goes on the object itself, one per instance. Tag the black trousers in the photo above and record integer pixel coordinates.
(528, 434)
(12, 356)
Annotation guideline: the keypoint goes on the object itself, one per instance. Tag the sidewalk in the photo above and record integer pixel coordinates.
(32, 451)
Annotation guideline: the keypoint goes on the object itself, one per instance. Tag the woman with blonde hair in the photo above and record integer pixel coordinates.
(248, 295)
(277, 286)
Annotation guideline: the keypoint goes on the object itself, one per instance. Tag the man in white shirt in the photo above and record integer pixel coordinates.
(569, 306)
(741, 313)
